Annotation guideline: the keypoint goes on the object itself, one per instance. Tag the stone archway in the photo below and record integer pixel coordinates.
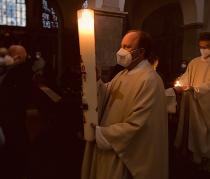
(165, 26)
(193, 11)
(113, 5)
(193, 15)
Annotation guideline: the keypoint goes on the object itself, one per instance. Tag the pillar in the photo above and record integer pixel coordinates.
(110, 22)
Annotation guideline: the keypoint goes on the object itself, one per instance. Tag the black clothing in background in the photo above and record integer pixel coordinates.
(14, 95)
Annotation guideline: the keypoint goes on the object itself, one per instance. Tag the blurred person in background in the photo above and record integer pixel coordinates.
(14, 93)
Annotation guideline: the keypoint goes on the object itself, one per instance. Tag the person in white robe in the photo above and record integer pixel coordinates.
(39, 64)
(132, 135)
(194, 122)
(170, 100)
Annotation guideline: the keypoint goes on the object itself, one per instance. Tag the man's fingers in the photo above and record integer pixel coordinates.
(93, 125)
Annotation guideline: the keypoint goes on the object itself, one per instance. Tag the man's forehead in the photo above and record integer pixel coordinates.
(131, 37)
(204, 43)
(16, 48)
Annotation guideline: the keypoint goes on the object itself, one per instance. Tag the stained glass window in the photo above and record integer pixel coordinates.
(13, 12)
(49, 17)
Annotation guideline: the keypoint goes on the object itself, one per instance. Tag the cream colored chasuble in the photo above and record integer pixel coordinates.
(134, 122)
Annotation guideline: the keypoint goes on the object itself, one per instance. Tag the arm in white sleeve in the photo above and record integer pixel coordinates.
(171, 100)
(202, 89)
(101, 141)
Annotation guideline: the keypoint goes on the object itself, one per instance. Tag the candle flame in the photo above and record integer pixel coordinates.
(177, 83)
(86, 21)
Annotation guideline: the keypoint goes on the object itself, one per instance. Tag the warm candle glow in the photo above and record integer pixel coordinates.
(177, 83)
(86, 20)
(86, 34)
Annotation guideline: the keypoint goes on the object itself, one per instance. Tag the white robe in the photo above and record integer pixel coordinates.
(195, 109)
(134, 122)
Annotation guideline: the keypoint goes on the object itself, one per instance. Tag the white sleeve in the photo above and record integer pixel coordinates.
(171, 100)
(201, 89)
(101, 141)
(170, 92)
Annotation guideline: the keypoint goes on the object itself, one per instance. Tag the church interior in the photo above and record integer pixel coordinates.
(48, 29)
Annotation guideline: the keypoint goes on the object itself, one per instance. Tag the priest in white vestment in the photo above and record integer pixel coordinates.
(194, 122)
(132, 136)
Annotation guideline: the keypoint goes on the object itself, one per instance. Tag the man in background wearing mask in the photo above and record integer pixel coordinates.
(6, 61)
(132, 136)
(14, 93)
(195, 105)
(5, 58)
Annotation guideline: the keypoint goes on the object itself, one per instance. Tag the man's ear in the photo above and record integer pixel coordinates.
(142, 51)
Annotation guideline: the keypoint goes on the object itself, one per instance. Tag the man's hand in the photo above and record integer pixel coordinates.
(181, 89)
(101, 141)
(178, 89)
(93, 125)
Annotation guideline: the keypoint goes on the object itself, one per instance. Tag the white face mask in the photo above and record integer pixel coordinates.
(205, 53)
(9, 60)
(124, 57)
(38, 56)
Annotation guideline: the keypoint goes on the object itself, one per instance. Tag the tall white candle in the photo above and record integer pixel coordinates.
(87, 51)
